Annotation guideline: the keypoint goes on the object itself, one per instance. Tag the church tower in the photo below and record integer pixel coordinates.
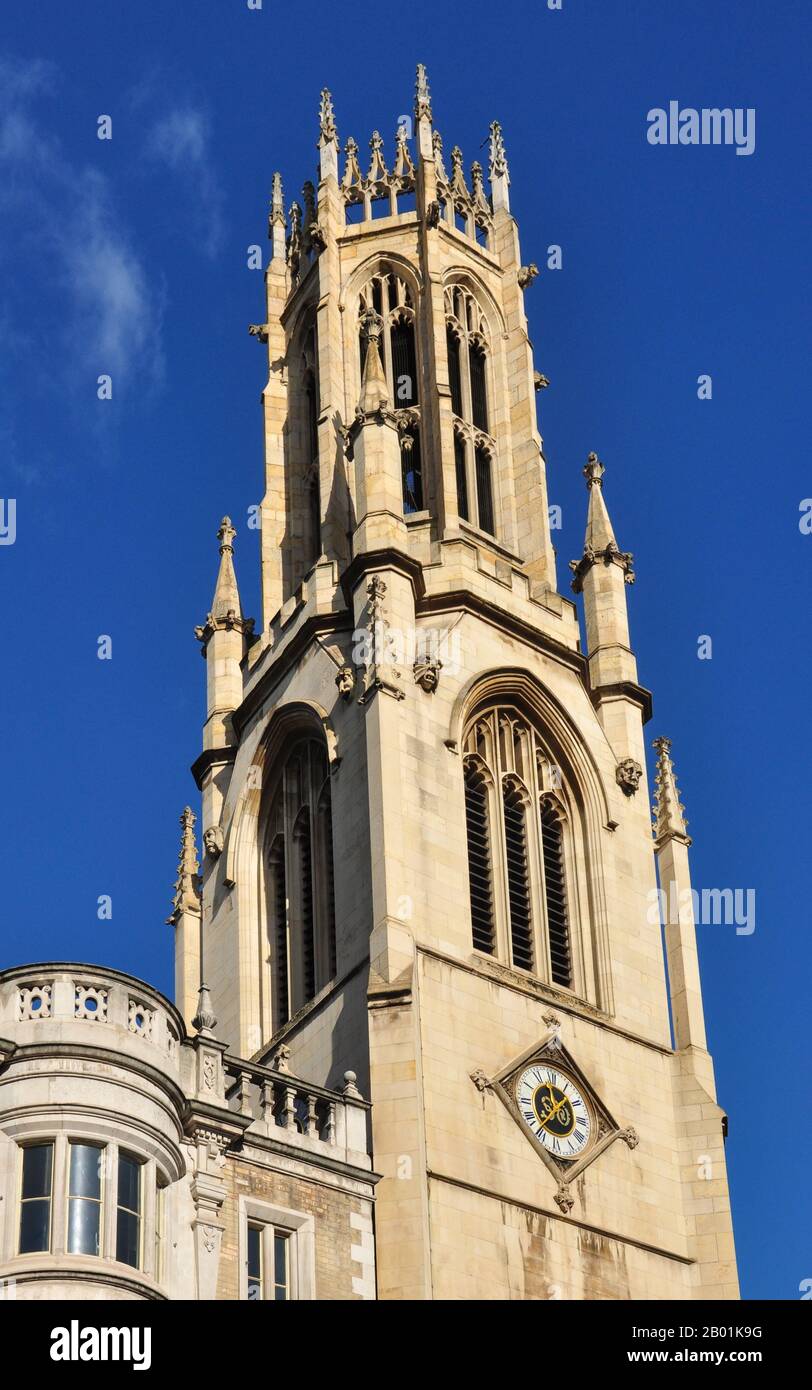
(428, 843)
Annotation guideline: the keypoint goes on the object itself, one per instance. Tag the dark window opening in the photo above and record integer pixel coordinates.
(484, 490)
(556, 897)
(411, 472)
(454, 373)
(462, 477)
(521, 940)
(479, 397)
(479, 862)
(404, 364)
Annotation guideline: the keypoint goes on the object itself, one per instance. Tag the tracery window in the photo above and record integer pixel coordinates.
(519, 821)
(474, 445)
(389, 296)
(299, 881)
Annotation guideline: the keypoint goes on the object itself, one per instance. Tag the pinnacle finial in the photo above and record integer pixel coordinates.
(422, 95)
(593, 471)
(225, 535)
(205, 1019)
(187, 883)
(327, 120)
(277, 214)
(498, 166)
(668, 813)
(374, 387)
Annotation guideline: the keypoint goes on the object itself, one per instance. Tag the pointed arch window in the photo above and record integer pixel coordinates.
(521, 821)
(390, 296)
(468, 374)
(299, 882)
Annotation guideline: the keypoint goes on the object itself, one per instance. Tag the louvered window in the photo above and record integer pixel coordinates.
(523, 900)
(304, 925)
(462, 476)
(479, 399)
(555, 895)
(454, 373)
(479, 861)
(279, 927)
(300, 882)
(404, 364)
(484, 490)
(521, 938)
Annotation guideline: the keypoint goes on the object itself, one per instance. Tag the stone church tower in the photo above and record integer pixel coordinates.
(429, 851)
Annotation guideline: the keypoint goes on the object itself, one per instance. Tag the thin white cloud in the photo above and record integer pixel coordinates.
(180, 139)
(60, 218)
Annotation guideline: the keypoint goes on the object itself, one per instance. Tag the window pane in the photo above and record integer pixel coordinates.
(411, 472)
(84, 1220)
(254, 1262)
(37, 1170)
(280, 1257)
(129, 1183)
(127, 1238)
(85, 1170)
(35, 1220)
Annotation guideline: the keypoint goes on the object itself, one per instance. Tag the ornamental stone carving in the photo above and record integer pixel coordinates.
(627, 774)
(213, 841)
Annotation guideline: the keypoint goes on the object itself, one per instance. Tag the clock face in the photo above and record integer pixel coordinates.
(554, 1110)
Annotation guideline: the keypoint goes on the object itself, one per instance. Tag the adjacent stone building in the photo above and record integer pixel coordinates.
(436, 1053)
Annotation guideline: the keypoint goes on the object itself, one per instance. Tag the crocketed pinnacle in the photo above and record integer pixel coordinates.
(187, 883)
(668, 813)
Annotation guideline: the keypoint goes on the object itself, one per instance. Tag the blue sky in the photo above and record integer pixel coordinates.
(128, 257)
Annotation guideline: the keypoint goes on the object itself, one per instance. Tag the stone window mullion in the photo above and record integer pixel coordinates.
(110, 1200)
(59, 1211)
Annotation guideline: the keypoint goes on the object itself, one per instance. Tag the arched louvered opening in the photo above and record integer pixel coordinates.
(555, 895)
(454, 372)
(523, 832)
(404, 363)
(480, 872)
(521, 934)
(479, 396)
(484, 489)
(305, 926)
(278, 930)
(299, 881)
(411, 471)
(461, 468)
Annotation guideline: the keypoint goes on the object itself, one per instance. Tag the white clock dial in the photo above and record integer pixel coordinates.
(554, 1110)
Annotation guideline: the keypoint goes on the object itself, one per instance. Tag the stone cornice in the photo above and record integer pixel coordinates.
(624, 690)
(212, 757)
(469, 602)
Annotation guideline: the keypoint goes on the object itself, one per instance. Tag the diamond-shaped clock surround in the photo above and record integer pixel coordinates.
(605, 1129)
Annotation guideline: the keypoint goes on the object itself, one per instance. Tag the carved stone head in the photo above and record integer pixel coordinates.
(427, 675)
(345, 680)
(628, 774)
(213, 841)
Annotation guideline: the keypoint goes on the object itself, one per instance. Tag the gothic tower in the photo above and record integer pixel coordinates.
(429, 853)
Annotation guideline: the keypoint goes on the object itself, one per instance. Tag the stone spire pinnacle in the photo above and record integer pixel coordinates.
(498, 169)
(327, 121)
(276, 219)
(187, 883)
(422, 95)
(277, 202)
(374, 388)
(599, 542)
(226, 609)
(668, 814)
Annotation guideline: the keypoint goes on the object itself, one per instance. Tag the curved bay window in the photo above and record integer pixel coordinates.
(474, 447)
(390, 296)
(299, 881)
(519, 823)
